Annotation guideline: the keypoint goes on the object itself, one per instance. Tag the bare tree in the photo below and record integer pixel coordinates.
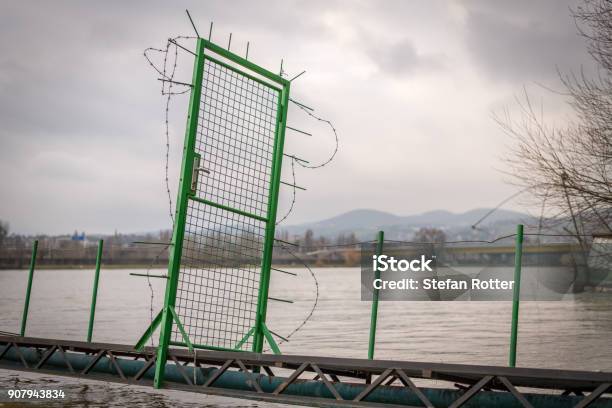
(430, 240)
(4, 230)
(429, 236)
(570, 168)
(308, 239)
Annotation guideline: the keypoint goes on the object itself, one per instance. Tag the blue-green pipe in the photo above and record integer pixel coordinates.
(239, 381)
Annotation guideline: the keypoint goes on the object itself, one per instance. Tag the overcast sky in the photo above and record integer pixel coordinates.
(411, 87)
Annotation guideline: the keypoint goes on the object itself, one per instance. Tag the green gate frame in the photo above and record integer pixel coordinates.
(167, 316)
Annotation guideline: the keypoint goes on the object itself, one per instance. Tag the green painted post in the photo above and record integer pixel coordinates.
(26, 306)
(266, 264)
(516, 294)
(174, 262)
(94, 294)
(374, 315)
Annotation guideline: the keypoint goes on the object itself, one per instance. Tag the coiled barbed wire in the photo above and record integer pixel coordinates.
(305, 165)
(153, 262)
(314, 304)
(167, 84)
(293, 194)
(292, 205)
(331, 125)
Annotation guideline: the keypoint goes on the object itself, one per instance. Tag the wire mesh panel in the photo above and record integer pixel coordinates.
(236, 139)
(225, 226)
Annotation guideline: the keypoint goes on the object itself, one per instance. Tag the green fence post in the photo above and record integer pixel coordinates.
(374, 315)
(94, 294)
(26, 306)
(516, 294)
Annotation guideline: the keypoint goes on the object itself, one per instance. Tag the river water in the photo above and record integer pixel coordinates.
(570, 334)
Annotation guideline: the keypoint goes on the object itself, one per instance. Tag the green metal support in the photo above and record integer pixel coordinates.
(148, 275)
(26, 306)
(147, 334)
(264, 283)
(239, 345)
(230, 209)
(270, 339)
(181, 328)
(178, 234)
(94, 294)
(516, 294)
(201, 346)
(246, 64)
(374, 315)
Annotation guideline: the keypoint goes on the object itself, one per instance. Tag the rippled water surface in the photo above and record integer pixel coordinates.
(571, 334)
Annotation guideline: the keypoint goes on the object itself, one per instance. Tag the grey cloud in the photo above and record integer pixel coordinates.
(73, 81)
(523, 41)
(402, 58)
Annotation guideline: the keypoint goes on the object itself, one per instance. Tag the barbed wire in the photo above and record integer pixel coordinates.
(167, 90)
(314, 304)
(167, 85)
(292, 206)
(294, 193)
(91, 249)
(560, 235)
(330, 124)
(152, 292)
(304, 164)
(467, 241)
(168, 93)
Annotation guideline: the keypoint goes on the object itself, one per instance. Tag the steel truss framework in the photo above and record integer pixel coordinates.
(348, 382)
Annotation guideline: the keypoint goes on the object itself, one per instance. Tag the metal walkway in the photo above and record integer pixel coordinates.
(331, 382)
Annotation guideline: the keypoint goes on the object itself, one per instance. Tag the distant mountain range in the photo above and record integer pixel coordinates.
(365, 223)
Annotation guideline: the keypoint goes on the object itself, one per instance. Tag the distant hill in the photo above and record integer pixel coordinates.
(365, 222)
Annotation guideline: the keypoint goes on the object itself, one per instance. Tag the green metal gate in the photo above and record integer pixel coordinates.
(221, 252)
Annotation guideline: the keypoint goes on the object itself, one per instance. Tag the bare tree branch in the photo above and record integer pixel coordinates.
(571, 167)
